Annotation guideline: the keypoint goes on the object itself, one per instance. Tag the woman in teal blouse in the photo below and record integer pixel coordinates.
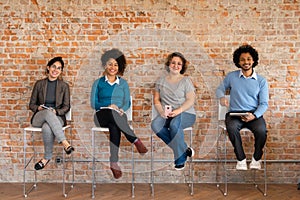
(110, 98)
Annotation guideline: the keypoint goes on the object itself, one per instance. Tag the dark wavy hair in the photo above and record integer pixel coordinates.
(245, 49)
(176, 54)
(53, 60)
(118, 56)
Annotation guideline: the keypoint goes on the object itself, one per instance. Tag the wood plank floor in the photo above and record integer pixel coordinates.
(47, 191)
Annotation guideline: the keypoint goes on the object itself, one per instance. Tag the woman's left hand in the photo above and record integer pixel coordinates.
(121, 111)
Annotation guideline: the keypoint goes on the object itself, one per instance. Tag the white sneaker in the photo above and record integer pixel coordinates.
(255, 164)
(241, 165)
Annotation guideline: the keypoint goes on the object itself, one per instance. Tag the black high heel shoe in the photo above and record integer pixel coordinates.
(40, 165)
(69, 149)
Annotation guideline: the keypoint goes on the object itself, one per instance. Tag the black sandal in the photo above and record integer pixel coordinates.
(69, 150)
(40, 165)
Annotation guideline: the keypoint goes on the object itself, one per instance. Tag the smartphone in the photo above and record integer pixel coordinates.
(168, 109)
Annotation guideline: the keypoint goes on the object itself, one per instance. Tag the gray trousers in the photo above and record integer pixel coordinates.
(51, 128)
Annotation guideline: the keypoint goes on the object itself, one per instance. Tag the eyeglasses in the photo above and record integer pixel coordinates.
(174, 63)
(56, 67)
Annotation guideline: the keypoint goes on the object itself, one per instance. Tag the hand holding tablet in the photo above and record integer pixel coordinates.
(48, 108)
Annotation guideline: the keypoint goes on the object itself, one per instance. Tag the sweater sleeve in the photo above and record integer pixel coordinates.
(263, 98)
(33, 104)
(126, 100)
(221, 90)
(94, 96)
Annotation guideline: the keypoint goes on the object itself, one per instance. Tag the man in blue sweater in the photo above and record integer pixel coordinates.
(248, 94)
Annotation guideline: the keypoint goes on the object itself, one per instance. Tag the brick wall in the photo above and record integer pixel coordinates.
(206, 32)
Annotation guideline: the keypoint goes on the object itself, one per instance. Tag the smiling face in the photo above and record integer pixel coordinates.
(111, 67)
(54, 70)
(246, 61)
(175, 65)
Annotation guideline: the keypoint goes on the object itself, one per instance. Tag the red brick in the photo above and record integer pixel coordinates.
(147, 31)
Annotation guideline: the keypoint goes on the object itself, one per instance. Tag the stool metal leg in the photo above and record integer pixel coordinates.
(191, 167)
(33, 159)
(265, 171)
(93, 165)
(132, 171)
(190, 180)
(63, 174)
(25, 163)
(25, 193)
(254, 172)
(218, 160)
(132, 162)
(72, 160)
(34, 185)
(223, 162)
(265, 176)
(65, 193)
(152, 167)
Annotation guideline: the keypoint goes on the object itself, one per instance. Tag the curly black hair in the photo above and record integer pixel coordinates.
(53, 60)
(245, 49)
(118, 56)
(176, 54)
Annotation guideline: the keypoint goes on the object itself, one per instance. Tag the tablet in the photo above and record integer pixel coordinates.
(110, 109)
(238, 114)
(43, 106)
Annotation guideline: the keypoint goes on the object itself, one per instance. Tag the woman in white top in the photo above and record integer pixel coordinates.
(174, 99)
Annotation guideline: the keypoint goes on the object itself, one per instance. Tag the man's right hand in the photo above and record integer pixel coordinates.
(224, 102)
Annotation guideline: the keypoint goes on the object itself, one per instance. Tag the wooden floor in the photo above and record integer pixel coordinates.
(14, 191)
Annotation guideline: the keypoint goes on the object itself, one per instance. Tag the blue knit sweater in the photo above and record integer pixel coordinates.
(246, 93)
(103, 94)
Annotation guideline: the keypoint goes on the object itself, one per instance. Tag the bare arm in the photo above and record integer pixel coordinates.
(157, 104)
